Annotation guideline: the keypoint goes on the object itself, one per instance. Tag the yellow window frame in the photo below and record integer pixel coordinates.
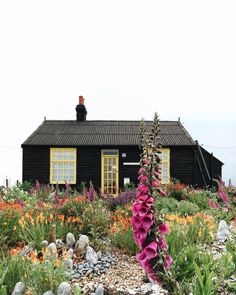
(103, 157)
(167, 161)
(52, 161)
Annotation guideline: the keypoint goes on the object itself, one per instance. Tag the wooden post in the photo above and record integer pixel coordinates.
(212, 169)
(7, 182)
(200, 168)
(203, 160)
(194, 165)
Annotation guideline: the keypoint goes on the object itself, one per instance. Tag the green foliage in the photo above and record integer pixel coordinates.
(226, 266)
(8, 222)
(231, 248)
(39, 231)
(95, 218)
(204, 284)
(42, 277)
(34, 234)
(171, 205)
(129, 186)
(25, 186)
(15, 269)
(3, 290)
(166, 205)
(125, 241)
(225, 213)
(73, 208)
(200, 198)
(77, 290)
(187, 208)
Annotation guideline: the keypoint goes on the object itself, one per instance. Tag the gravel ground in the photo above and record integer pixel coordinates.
(125, 277)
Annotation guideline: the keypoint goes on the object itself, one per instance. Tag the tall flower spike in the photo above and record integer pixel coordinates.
(149, 231)
(143, 135)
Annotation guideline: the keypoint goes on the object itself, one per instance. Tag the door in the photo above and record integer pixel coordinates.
(110, 172)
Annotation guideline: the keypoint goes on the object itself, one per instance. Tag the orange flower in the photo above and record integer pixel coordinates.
(14, 252)
(61, 217)
(190, 219)
(181, 220)
(22, 221)
(170, 217)
(73, 219)
(40, 217)
(50, 218)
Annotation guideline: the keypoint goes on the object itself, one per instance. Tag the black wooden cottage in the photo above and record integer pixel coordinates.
(107, 152)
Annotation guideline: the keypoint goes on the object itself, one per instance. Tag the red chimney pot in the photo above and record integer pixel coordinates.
(81, 100)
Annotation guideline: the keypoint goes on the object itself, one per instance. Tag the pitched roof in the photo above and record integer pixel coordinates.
(92, 133)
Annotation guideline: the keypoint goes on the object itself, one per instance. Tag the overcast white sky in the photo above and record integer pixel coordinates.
(128, 59)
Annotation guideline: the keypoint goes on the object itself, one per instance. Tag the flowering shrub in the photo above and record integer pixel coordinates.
(121, 233)
(177, 191)
(222, 191)
(198, 228)
(150, 231)
(124, 198)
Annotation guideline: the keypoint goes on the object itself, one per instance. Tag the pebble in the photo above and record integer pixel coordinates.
(97, 268)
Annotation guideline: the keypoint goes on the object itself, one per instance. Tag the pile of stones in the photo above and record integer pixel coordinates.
(96, 268)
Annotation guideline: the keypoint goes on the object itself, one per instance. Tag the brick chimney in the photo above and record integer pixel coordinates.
(81, 111)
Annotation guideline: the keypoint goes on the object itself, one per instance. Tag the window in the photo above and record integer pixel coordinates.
(165, 172)
(110, 173)
(62, 165)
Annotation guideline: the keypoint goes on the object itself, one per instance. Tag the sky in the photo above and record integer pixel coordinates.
(128, 59)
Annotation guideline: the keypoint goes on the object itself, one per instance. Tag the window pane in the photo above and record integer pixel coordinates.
(62, 165)
(71, 155)
(54, 166)
(54, 155)
(164, 155)
(110, 152)
(60, 155)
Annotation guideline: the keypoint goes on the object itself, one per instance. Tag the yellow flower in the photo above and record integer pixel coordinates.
(170, 217)
(40, 217)
(199, 232)
(190, 219)
(21, 222)
(181, 220)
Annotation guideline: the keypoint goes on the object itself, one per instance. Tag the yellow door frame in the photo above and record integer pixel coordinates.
(116, 157)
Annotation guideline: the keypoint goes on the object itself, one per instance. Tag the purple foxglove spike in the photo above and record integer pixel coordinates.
(162, 244)
(151, 250)
(150, 201)
(135, 222)
(168, 261)
(162, 193)
(163, 229)
(147, 221)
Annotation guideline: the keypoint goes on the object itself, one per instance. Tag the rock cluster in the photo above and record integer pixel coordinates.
(94, 268)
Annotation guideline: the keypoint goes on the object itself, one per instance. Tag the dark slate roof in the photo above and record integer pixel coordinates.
(74, 133)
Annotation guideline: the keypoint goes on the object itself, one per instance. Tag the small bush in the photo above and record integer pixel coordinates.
(200, 198)
(15, 270)
(43, 277)
(124, 198)
(166, 205)
(176, 191)
(187, 208)
(95, 218)
(121, 233)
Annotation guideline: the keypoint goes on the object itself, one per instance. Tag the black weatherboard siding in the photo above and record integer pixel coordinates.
(187, 160)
